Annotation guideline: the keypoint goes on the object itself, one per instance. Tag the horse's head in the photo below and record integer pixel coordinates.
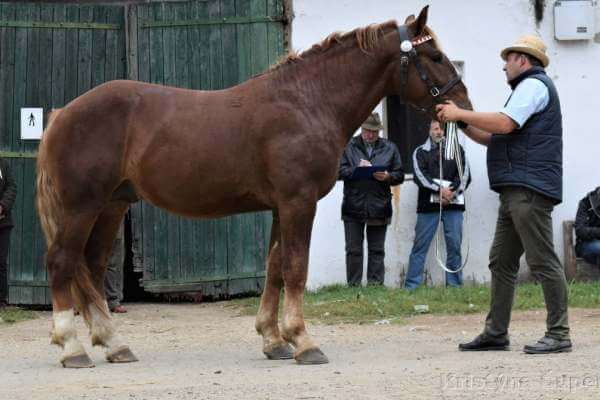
(425, 76)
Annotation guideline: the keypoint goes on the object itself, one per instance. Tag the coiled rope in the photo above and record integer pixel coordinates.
(451, 152)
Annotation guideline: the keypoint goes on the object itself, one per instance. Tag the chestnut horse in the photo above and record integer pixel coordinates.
(271, 143)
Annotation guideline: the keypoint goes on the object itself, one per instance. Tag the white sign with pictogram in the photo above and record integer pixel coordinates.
(32, 123)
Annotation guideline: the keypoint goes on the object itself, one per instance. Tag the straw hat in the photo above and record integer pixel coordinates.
(528, 44)
(373, 123)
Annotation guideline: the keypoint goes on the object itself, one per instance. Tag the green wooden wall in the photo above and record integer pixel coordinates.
(51, 53)
(45, 65)
(204, 45)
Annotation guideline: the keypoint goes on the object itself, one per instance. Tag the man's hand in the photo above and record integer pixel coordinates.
(364, 163)
(447, 194)
(448, 112)
(382, 176)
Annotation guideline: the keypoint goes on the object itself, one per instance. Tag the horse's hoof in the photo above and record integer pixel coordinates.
(78, 361)
(282, 352)
(311, 356)
(122, 355)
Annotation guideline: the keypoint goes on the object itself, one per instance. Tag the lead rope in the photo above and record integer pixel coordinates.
(452, 152)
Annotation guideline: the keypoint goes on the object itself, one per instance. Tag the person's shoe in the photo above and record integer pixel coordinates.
(485, 343)
(547, 345)
(118, 309)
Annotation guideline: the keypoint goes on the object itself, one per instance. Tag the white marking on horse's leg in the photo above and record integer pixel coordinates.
(266, 326)
(64, 334)
(294, 329)
(103, 331)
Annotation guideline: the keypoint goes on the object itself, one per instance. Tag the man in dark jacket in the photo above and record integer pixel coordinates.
(8, 193)
(368, 199)
(587, 227)
(524, 155)
(426, 164)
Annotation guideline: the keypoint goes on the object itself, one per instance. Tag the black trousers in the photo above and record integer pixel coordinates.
(4, 246)
(355, 234)
(113, 280)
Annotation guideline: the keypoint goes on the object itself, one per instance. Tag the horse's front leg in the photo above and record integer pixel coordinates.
(296, 226)
(274, 346)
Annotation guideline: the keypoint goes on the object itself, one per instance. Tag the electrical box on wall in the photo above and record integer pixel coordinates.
(574, 19)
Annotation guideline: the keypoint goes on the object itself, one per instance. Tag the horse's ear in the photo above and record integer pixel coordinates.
(410, 19)
(421, 21)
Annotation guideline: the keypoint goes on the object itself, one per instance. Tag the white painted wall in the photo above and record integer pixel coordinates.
(472, 31)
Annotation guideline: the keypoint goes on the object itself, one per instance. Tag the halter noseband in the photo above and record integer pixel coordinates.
(408, 53)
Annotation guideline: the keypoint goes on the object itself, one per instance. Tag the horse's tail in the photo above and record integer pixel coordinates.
(48, 204)
(51, 212)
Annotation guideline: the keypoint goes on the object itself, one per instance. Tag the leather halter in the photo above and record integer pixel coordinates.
(408, 53)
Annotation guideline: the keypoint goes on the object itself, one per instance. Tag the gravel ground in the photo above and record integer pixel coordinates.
(207, 351)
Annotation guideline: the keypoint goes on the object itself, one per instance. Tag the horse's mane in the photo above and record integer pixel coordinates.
(366, 37)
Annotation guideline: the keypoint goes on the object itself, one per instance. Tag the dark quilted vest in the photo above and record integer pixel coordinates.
(531, 156)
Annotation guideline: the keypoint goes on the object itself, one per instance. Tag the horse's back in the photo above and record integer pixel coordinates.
(196, 153)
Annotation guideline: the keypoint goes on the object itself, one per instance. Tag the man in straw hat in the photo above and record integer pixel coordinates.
(367, 199)
(524, 158)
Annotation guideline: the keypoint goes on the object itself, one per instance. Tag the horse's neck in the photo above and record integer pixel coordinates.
(359, 89)
(345, 83)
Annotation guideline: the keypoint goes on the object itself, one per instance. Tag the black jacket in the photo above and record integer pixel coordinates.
(8, 193)
(426, 163)
(587, 221)
(369, 199)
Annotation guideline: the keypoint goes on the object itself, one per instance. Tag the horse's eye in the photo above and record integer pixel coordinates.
(436, 56)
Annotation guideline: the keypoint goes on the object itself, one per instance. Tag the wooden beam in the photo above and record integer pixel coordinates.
(58, 25)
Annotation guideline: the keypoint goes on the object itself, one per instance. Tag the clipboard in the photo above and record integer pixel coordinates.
(435, 198)
(361, 173)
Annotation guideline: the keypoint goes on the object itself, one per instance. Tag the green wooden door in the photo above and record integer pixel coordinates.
(49, 54)
(208, 44)
(52, 53)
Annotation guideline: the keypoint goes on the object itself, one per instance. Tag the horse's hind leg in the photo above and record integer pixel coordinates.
(274, 346)
(97, 251)
(69, 280)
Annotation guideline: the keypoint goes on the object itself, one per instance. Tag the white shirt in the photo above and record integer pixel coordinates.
(529, 97)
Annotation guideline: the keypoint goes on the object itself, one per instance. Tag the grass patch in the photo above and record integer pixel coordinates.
(10, 315)
(341, 304)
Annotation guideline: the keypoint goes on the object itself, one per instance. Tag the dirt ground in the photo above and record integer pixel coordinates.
(207, 351)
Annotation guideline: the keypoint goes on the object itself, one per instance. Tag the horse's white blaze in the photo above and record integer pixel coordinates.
(65, 334)
(102, 329)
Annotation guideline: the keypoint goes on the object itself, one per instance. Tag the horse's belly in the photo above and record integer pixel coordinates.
(210, 202)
